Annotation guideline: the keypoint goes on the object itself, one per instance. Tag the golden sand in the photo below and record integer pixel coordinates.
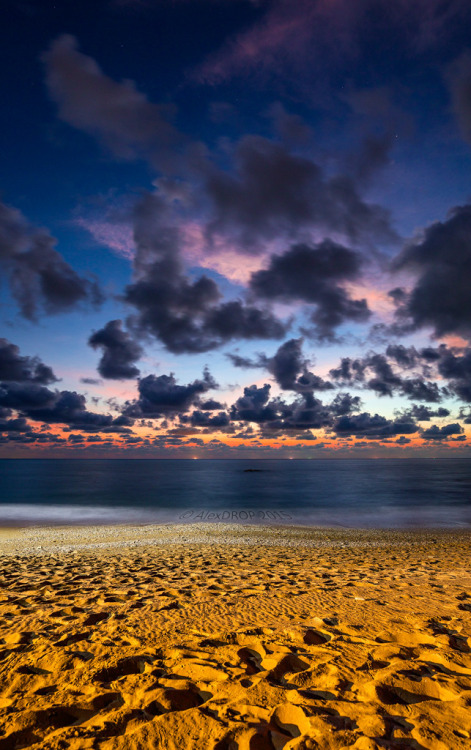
(234, 638)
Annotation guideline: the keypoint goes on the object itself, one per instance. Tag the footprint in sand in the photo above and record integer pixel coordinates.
(177, 699)
(124, 667)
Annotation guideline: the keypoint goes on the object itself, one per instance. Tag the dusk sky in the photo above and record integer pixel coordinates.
(235, 228)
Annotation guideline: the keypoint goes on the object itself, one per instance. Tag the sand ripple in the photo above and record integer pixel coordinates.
(233, 647)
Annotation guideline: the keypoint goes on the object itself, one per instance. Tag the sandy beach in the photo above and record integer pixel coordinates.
(234, 638)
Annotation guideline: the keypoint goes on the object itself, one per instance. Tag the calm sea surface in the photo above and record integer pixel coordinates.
(350, 493)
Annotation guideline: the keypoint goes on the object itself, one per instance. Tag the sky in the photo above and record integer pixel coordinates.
(235, 228)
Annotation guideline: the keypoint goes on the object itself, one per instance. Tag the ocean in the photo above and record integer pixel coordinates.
(346, 493)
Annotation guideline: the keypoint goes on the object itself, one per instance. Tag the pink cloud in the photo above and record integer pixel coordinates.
(289, 31)
(286, 28)
(222, 257)
(117, 237)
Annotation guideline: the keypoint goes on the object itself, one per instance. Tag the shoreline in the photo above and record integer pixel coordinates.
(43, 539)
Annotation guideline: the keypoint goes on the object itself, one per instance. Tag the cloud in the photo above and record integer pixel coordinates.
(293, 38)
(210, 405)
(375, 372)
(120, 351)
(160, 395)
(441, 433)
(40, 279)
(29, 436)
(287, 363)
(290, 369)
(314, 274)
(288, 366)
(245, 362)
(116, 236)
(456, 367)
(275, 43)
(423, 413)
(344, 403)
(25, 397)
(217, 422)
(459, 80)
(274, 193)
(40, 404)
(372, 427)
(187, 316)
(117, 114)
(68, 407)
(255, 405)
(417, 389)
(14, 367)
(19, 424)
(441, 262)
(373, 155)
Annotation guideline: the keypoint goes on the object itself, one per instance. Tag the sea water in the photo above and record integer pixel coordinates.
(379, 493)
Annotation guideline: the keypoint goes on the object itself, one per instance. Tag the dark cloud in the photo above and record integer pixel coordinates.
(290, 369)
(91, 381)
(441, 260)
(117, 114)
(120, 351)
(288, 366)
(314, 274)
(441, 433)
(69, 407)
(349, 370)
(418, 389)
(459, 79)
(244, 362)
(291, 128)
(203, 419)
(385, 381)
(26, 396)
(456, 367)
(28, 438)
(369, 426)
(160, 395)
(287, 363)
(307, 412)
(40, 404)
(451, 364)
(19, 424)
(372, 155)
(14, 367)
(187, 316)
(39, 277)
(402, 440)
(273, 192)
(375, 372)
(234, 319)
(465, 416)
(344, 403)
(210, 405)
(423, 413)
(404, 356)
(76, 439)
(253, 406)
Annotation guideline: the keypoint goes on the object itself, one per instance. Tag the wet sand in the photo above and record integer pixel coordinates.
(231, 637)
